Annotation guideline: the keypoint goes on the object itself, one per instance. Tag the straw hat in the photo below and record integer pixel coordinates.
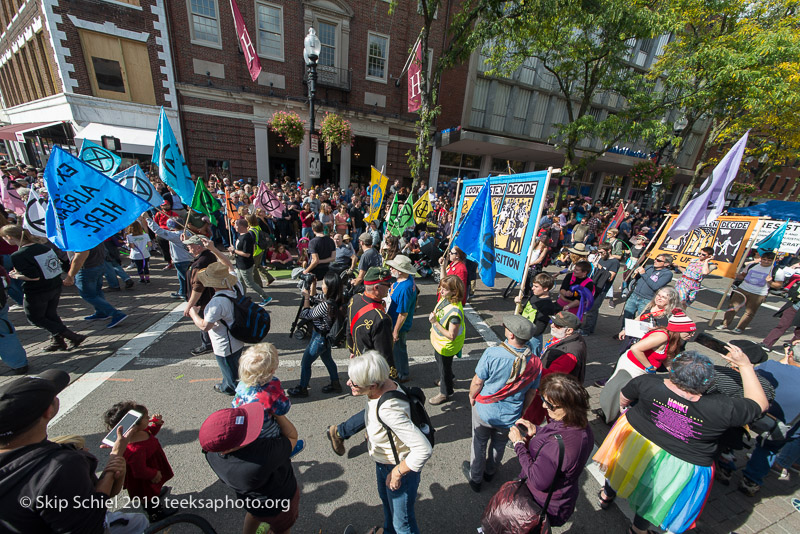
(579, 249)
(217, 275)
(403, 264)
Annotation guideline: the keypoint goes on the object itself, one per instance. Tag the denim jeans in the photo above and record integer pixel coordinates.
(112, 271)
(11, 350)
(398, 505)
(15, 287)
(307, 232)
(352, 426)
(229, 365)
(590, 317)
(634, 306)
(763, 458)
(318, 347)
(180, 268)
(89, 282)
(789, 454)
(400, 353)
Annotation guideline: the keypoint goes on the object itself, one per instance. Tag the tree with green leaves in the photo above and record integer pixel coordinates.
(735, 64)
(586, 47)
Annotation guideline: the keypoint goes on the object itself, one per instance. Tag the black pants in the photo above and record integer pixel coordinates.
(638, 521)
(41, 309)
(163, 244)
(445, 365)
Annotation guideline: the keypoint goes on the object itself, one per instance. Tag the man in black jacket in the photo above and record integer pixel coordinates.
(369, 328)
(41, 481)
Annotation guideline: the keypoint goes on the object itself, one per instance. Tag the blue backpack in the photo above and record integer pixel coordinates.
(251, 322)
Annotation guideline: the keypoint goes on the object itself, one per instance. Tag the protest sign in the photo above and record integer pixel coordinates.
(729, 236)
(266, 200)
(475, 235)
(791, 239)
(135, 180)
(86, 207)
(516, 202)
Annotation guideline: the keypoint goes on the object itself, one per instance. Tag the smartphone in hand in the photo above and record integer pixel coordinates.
(127, 422)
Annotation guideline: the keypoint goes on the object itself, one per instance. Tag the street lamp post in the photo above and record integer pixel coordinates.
(312, 48)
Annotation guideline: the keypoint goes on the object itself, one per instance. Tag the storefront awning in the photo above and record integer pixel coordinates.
(15, 132)
(132, 140)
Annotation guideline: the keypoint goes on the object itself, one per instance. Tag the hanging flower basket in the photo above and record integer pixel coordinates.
(739, 188)
(334, 130)
(290, 126)
(647, 172)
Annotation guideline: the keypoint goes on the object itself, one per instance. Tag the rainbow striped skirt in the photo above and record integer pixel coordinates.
(661, 488)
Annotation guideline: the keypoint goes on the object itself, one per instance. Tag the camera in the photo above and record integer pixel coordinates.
(306, 279)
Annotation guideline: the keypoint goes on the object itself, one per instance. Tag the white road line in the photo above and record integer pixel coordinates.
(92, 379)
(480, 325)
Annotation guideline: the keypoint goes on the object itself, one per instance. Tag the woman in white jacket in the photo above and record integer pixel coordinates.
(397, 482)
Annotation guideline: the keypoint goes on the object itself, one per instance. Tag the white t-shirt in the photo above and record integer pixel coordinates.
(217, 310)
(139, 246)
(755, 281)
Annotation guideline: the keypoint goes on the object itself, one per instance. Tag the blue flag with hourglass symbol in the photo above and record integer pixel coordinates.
(475, 235)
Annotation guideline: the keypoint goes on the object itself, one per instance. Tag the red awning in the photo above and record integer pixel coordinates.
(9, 133)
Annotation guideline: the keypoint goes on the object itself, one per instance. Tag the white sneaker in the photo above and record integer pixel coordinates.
(721, 327)
(784, 474)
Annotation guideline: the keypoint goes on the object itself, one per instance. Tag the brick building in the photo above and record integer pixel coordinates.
(224, 113)
(82, 69)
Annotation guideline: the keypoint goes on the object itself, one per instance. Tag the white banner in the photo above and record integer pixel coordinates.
(791, 239)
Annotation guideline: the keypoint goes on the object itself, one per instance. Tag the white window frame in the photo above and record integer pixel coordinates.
(385, 59)
(200, 42)
(282, 32)
(337, 35)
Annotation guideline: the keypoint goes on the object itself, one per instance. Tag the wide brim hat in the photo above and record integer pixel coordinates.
(217, 275)
(579, 249)
(403, 264)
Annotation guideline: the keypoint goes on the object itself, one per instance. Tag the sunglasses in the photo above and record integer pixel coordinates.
(547, 404)
(659, 260)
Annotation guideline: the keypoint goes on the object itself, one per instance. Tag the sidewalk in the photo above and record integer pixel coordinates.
(144, 305)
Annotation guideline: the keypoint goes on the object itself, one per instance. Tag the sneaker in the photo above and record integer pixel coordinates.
(439, 399)
(784, 474)
(611, 305)
(766, 348)
(113, 289)
(168, 267)
(298, 448)
(297, 392)
(219, 389)
(96, 317)
(737, 330)
(15, 307)
(128, 283)
(177, 296)
(202, 349)
(601, 383)
(116, 320)
(337, 443)
(721, 327)
(475, 486)
(748, 487)
(265, 301)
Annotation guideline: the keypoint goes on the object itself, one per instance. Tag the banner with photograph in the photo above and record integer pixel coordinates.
(791, 239)
(516, 202)
(728, 236)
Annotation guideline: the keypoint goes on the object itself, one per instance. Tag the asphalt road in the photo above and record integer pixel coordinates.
(336, 491)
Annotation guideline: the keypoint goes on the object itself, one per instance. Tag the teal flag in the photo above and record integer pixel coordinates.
(475, 235)
(99, 158)
(172, 168)
(773, 241)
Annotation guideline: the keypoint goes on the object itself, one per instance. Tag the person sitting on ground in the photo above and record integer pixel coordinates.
(649, 451)
(503, 387)
(259, 470)
(567, 404)
(281, 258)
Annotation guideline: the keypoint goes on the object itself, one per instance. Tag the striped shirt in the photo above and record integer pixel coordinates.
(318, 313)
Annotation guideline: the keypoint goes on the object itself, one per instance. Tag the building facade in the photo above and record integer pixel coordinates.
(83, 69)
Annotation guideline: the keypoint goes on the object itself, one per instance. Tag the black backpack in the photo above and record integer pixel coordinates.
(251, 322)
(338, 332)
(416, 400)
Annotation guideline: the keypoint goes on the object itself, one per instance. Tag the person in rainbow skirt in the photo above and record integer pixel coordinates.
(660, 453)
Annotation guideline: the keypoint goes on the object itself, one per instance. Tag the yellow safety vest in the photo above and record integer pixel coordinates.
(444, 311)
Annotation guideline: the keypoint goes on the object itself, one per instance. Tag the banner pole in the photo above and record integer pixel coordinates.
(453, 221)
(518, 306)
(751, 244)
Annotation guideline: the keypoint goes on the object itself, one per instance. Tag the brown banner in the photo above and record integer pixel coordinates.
(728, 235)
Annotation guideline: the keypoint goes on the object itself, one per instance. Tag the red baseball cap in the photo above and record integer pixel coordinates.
(230, 428)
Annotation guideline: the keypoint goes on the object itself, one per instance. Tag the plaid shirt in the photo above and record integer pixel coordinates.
(593, 223)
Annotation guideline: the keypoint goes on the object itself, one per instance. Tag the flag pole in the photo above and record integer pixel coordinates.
(518, 307)
(453, 222)
(646, 251)
(751, 244)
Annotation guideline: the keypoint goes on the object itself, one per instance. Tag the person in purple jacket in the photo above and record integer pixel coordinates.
(567, 404)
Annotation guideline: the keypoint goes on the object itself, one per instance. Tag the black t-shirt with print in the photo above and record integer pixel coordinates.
(37, 261)
(685, 429)
(245, 243)
(570, 281)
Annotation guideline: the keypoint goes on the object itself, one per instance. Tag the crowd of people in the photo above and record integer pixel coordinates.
(677, 418)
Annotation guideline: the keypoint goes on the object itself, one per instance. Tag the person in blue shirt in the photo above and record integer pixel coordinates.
(504, 384)
(403, 300)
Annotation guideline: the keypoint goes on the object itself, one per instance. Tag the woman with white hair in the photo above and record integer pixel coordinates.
(659, 455)
(399, 448)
